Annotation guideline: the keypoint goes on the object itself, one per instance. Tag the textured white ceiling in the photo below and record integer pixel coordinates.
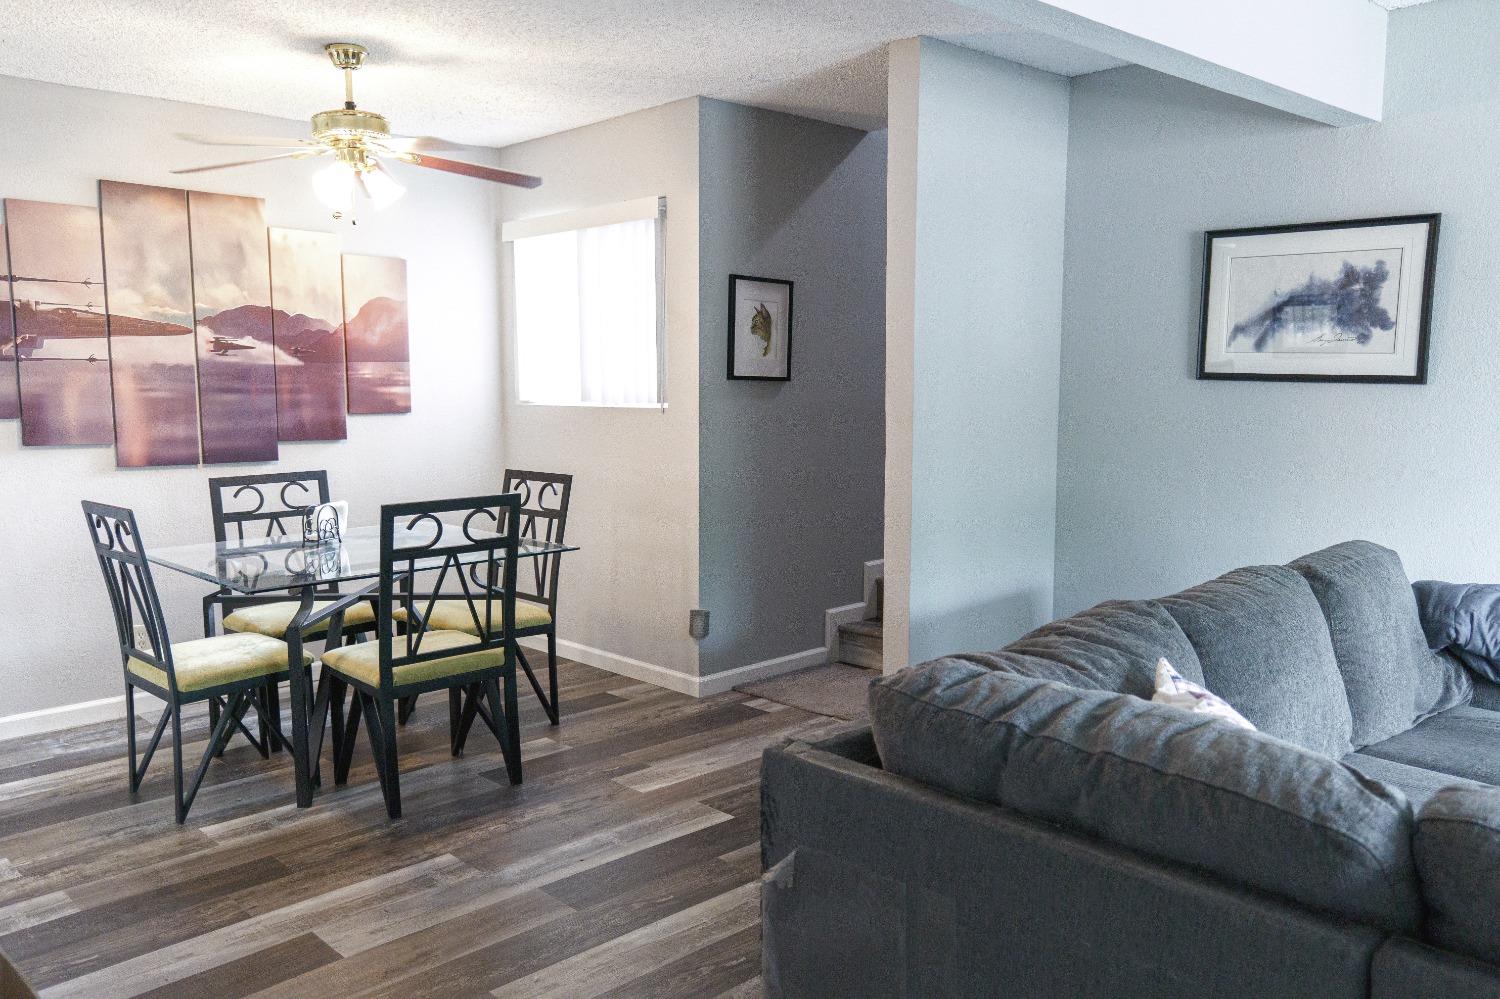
(1397, 4)
(491, 73)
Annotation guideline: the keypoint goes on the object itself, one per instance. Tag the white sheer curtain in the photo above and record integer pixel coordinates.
(586, 315)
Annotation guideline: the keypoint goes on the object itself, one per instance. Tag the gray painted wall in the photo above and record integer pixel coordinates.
(976, 201)
(791, 473)
(1165, 480)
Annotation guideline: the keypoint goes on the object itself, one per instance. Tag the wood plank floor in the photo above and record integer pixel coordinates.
(626, 864)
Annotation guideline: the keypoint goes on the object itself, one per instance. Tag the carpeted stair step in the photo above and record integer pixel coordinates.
(859, 644)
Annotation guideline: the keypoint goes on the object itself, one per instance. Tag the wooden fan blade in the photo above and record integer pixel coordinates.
(472, 170)
(245, 140)
(416, 143)
(299, 154)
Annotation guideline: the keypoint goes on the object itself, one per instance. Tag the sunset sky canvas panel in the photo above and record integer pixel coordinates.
(61, 339)
(10, 390)
(375, 325)
(236, 350)
(307, 320)
(148, 283)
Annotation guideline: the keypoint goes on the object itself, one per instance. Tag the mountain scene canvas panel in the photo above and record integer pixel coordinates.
(378, 339)
(307, 324)
(10, 390)
(232, 308)
(1319, 303)
(60, 333)
(148, 284)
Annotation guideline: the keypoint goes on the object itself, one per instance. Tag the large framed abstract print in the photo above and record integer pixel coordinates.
(1328, 301)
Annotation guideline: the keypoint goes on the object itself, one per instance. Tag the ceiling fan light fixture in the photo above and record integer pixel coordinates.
(343, 186)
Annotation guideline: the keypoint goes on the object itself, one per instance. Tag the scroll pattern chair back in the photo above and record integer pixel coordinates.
(230, 672)
(459, 550)
(544, 518)
(251, 507)
(132, 592)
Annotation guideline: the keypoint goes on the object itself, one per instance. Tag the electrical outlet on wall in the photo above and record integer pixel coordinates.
(698, 624)
(142, 639)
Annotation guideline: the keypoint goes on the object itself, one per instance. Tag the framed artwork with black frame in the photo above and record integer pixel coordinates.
(1319, 302)
(760, 328)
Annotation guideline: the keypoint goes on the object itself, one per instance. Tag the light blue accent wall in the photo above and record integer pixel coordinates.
(989, 169)
(1164, 480)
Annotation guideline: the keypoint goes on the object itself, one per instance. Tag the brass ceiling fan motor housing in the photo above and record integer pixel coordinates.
(348, 124)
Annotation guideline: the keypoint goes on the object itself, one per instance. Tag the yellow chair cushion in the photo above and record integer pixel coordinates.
(362, 662)
(455, 615)
(209, 662)
(272, 620)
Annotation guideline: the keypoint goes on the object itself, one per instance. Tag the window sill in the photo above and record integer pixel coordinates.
(592, 405)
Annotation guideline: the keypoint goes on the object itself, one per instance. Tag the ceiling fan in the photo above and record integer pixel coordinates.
(357, 140)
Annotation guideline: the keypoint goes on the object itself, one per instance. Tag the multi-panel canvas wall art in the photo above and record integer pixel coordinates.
(148, 289)
(307, 316)
(180, 328)
(236, 351)
(61, 337)
(377, 338)
(10, 391)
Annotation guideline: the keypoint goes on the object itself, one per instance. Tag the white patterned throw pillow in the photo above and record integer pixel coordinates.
(1173, 689)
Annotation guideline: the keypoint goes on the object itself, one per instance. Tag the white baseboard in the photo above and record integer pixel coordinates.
(113, 708)
(717, 683)
(850, 613)
(64, 716)
(835, 616)
(614, 663)
(873, 571)
(693, 686)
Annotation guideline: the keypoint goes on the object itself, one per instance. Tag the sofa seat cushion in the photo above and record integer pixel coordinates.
(1463, 742)
(1457, 847)
(1416, 783)
(1392, 678)
(1264, 647)
(1179, 787)
(1114, 646)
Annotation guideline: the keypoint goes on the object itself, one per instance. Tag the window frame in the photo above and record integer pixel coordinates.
(639, 209)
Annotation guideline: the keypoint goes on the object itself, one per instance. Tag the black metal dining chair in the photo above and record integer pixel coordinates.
(544, 518)
(229, 671)
(449, 552)
(268, 507)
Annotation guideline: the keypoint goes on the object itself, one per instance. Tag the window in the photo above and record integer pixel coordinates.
(588, 306)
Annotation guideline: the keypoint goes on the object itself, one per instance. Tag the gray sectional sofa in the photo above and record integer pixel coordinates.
(1027, 823)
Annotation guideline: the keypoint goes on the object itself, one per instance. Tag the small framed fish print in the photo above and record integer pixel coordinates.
(1321, 302)
(760, 328)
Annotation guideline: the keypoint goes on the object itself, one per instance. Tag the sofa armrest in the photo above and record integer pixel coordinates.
(878, 885)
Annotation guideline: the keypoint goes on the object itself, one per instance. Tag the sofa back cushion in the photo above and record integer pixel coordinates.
(1457, 847)
(1264, 647)
(1176, 786)
(1393, 680)
(1114, 646)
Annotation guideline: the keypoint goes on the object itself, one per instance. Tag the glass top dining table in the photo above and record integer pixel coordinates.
(280, 564)
(310, 573)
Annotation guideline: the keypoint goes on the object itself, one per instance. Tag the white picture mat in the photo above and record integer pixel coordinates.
(748, 359)
(1404, 288)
